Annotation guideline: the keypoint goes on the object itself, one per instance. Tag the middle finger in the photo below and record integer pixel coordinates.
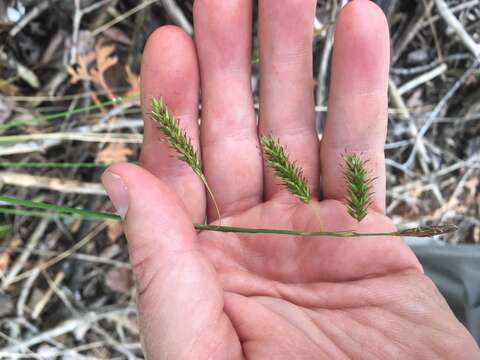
(286, 85)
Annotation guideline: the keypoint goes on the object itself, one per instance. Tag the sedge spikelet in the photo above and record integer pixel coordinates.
(289, 173)
(177, 138)
(358, 186)
(428, 231)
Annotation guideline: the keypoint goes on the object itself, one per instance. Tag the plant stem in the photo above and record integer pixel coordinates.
(94, 215)
(210, 192)
(341, 233)
(51, 165)
(46, 118)
(84, 214)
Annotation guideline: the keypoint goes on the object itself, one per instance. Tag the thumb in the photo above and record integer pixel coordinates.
(179, 298)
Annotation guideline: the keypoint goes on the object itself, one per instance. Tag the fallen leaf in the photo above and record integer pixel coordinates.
(92, 66)
(114, 153)
(114, 230)
(81, 72)
(133, 81)
(7, 88)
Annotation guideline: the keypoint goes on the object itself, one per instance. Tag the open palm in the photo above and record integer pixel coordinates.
(228, 296)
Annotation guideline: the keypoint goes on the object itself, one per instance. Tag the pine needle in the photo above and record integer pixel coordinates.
(289, 172)
(358, 186)
(180, 142)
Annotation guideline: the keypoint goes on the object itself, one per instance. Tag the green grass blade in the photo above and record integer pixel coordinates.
(43, 119)
(51, 165)
(84, 214)
(30, 213)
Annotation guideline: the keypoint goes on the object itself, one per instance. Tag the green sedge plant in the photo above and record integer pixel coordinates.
(357, 183)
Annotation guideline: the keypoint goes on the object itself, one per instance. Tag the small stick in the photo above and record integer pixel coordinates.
(40, 305)
(430, 75)
(177, 15)
(22, 259)
(53, 184)
(456, 25)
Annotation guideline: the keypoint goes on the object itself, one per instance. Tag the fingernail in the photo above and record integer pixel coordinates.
(117, 192)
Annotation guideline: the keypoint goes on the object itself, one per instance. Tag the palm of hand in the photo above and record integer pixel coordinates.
(321, 297)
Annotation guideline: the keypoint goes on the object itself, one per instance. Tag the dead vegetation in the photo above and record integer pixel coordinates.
(69, 105)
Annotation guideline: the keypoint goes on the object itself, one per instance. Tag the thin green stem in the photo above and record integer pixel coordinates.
(94, 215)
(84, 214)
(63, 114)
(212, 196)
(50, 165)
(30, 213)
(54, 165)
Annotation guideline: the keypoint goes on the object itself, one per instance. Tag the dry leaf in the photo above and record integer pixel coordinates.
(119, 280)
(114, 230)
(133, 81)
(104, 58)
(92, 67)
(114, 153)
(7, 88)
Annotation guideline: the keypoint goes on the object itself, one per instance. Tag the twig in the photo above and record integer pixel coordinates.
(456, 193)
(77, 18)
(397, 100)
(457, 26)
(53, 184)
(122, 17)
(460, 7)
(80, 256)
(411, 31)
(414, 83)
(76, 136)
(61, 329)
(34, 12)
(436, 112)
(322, 81)
(22, 299)
(22, 259)
(40, 305)
(22, 71)
(177, 15)
(45, 265)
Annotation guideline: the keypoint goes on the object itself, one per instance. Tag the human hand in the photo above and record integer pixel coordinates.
(228, 296)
